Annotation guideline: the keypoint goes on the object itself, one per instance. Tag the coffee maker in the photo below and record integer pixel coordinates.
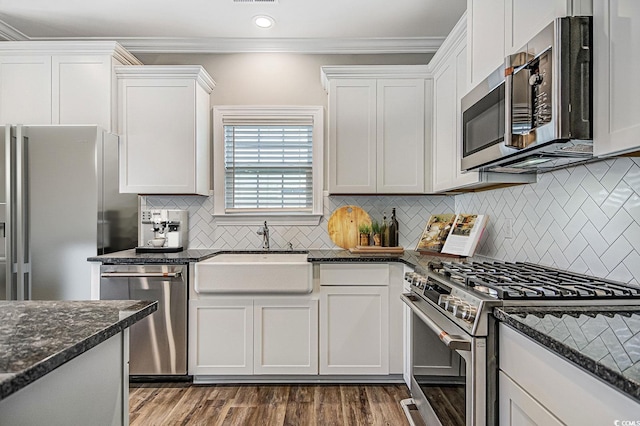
(163, 231)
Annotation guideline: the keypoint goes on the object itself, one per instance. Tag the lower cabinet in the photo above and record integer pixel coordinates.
(285, 336)
(354, 330)
(518, 408)
(538, 387)
(245, 336)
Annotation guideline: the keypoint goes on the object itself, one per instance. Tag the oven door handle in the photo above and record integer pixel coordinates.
(453, 342)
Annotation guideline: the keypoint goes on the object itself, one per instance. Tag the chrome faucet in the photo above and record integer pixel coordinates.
(265, 236)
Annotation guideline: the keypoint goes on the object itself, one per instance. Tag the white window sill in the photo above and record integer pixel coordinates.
(272, 219)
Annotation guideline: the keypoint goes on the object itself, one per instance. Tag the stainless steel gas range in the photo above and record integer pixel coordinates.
(453, 334)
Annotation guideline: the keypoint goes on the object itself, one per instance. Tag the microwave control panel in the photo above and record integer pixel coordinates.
(540, 82)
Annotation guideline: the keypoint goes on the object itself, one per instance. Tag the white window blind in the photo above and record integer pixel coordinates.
(268, 167)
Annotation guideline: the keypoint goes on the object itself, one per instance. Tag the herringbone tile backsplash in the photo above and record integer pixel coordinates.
(412, 212)
(585, 219)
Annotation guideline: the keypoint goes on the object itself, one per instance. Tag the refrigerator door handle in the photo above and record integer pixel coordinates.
(23, 252)
(10, 276)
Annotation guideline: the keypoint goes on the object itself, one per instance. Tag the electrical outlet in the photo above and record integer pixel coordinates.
(508, 228)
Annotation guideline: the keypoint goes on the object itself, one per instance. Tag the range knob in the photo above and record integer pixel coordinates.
(465, 311)
(449, 302)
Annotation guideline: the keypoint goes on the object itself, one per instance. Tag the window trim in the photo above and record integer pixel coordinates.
(273, 111)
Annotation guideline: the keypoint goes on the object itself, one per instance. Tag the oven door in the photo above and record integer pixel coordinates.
(448, 371)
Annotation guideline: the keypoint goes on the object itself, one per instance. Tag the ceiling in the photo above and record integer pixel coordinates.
(327, 26)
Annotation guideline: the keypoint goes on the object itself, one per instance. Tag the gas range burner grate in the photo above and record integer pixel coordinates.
(522, 280)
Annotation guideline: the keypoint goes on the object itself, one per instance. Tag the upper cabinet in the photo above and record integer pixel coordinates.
(616, 24)
(498, 28)
(378, 121)
(485, 38)
(60, 82)
(164, 127)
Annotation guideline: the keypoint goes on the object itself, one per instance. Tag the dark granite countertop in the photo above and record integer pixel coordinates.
(411, 258)
(603, 340)
(36, 337)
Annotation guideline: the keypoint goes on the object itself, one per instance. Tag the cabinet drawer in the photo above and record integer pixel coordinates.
(354, 274)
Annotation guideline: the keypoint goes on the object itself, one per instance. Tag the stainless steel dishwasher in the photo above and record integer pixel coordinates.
(158, 343)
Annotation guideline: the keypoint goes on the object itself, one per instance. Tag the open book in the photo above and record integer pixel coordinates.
(452, 234)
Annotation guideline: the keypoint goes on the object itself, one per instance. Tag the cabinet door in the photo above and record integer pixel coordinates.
(221, 336)
(81, 87)
(352, 136)
(25, 89)
(525, 19)
(518, 408)
(354, 330)
(400, 136)
(444, 126)
(485, 37)
(158, 129)
(616, 23)
(286, 336)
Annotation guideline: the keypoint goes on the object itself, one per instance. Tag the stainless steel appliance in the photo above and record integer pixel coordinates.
(59, 205)
(159, 342)
(163, 231)
(535, 112)
(454, 335)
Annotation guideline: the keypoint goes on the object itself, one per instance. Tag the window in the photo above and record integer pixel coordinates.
(268, 164)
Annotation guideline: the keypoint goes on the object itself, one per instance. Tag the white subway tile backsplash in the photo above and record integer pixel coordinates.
(592, 213)
(412, 212)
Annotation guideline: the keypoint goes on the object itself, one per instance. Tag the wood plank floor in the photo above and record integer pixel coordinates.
(299, 405)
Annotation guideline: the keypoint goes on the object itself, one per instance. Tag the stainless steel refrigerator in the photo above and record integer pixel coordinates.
(59, 205)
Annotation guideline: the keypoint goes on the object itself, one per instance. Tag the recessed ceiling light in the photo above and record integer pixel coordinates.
(264, 21)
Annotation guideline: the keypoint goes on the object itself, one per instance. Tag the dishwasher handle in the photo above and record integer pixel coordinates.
(141, 274)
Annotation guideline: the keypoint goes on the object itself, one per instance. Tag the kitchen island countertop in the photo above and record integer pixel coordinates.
(603, 340)
(36, 337)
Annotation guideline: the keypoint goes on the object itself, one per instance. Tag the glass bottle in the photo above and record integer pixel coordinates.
(393, 230)
(384, 230)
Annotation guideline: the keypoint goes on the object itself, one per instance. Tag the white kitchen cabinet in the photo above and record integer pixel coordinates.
(499, 28)
(221, 336)
(616, 24)
(524, 19)
(518, 408)
(539, 387)
(485, 37)
(286, 336)
(60, 82)
(164, 124)
(354, 320)
(253, 336)
(354, 331)
(377, 121)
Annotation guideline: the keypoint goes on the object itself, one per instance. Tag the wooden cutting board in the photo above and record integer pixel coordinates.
(343, 225)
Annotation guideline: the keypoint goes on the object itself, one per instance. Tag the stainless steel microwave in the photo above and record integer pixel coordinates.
(534, 113)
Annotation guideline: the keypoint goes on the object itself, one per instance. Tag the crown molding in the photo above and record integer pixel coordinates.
(190, 72)
(281, 45)
(329, 72)
(7, 32)
(71, 47)
(457, 35)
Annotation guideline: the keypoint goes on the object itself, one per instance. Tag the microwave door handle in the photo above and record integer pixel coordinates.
(453, 342)
(508, 87)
